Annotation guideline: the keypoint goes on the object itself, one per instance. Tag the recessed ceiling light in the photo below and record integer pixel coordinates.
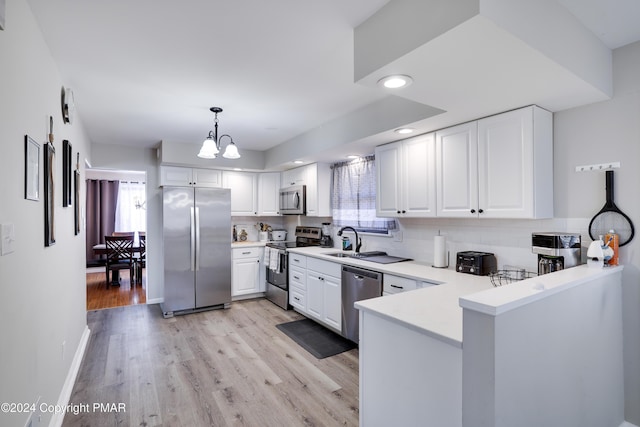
(353, 156)
(395, 81)
(404, 131)
(298, 162)
(237, 169)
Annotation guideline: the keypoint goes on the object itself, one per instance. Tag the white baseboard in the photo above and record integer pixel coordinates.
(155, 301)
(67, 388)
(627, 424)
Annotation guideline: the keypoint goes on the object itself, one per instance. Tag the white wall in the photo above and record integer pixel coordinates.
(602, 132)
(43, 290)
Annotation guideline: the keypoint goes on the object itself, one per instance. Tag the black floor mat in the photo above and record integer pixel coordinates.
(315, 338)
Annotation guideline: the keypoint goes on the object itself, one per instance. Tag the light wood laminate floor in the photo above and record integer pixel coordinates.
(218, 368)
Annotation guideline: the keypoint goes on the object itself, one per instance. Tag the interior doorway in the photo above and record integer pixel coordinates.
(116, 203)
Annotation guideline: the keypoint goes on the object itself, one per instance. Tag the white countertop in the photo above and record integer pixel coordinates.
(500, 300)
(247, 244)
(433, 310)
(437, 310)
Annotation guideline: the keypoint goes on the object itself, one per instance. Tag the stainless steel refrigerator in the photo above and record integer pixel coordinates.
(197, 249)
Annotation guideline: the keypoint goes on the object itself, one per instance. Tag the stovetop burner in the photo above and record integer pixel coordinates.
(305, 236)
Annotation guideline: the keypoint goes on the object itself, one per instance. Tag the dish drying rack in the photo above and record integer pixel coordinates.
(509, 274)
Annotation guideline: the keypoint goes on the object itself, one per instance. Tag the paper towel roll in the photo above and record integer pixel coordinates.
(439, 251)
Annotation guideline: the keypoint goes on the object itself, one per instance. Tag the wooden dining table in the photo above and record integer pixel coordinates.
(101, 249)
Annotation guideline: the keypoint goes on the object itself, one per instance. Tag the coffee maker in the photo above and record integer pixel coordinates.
(326, 241)
(556, 251)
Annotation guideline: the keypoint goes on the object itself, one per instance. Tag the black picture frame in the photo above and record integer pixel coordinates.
(76, 200)
(67, 174)
(49, 194)
(31, 169)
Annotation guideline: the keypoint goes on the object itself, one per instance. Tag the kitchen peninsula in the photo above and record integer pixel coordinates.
(515, 359)
(459, 352)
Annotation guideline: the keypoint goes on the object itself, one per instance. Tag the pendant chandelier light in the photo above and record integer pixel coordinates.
(211, 145)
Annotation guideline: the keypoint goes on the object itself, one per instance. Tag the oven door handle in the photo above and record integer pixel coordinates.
(284, 259)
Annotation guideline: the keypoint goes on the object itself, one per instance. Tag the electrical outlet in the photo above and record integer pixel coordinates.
(397, 236)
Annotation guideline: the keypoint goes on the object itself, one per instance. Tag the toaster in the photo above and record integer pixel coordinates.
(478, 263)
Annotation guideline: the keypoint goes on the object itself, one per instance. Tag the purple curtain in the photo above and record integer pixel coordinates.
(102, 196)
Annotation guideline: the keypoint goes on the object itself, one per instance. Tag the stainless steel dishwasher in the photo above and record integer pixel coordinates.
(357, 284)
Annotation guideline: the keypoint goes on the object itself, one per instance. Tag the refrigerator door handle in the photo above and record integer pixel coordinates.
(197, 266)
(193, 239)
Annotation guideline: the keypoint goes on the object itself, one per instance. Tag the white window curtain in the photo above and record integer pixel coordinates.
(354, 196)
(131, 208)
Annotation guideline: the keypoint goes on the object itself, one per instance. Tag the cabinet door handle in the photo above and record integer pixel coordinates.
(480, 211)
(246, 253)
(296, 277)
(473, 211)
(296, 298)
(397, 287)
(398, 211)
(404, 211)
(320, 278)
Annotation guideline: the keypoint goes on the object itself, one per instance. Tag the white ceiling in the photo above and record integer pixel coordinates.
(149, 70)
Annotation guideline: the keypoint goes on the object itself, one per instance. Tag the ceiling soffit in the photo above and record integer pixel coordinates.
(477, 58)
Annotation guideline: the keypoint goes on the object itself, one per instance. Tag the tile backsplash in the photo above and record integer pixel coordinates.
(509, 240)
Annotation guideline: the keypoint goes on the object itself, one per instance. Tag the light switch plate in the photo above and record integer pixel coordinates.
(7, 237)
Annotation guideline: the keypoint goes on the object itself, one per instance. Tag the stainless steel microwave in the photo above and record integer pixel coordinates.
(293, 200)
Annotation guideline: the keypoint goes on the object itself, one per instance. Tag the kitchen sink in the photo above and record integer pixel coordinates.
(378, 257)
(356, 255)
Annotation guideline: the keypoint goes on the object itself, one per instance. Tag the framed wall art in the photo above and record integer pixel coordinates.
(3, 4)
(31, 169)
(67, 174)
(76, 196)
(49, 194)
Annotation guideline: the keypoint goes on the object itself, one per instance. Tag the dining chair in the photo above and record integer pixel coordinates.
(141, 256)
(119, 255)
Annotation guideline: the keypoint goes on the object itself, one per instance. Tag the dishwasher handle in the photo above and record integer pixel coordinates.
(361, 274)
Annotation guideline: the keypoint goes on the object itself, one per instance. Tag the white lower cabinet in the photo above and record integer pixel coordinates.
(315, 289)
(246, 273)
(324, 292)
(396, 284)
(298, 286)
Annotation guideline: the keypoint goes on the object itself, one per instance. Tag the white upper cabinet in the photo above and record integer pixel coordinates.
(193, 177)
(388, 179)
(243, 187)
(296, 176)
(457, 170)
(317, 179)
(318, 189)
(515, 164)
(268, 193)
(497, 167)
(406, 178)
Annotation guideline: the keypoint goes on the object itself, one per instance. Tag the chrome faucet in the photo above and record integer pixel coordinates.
(358, 241)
